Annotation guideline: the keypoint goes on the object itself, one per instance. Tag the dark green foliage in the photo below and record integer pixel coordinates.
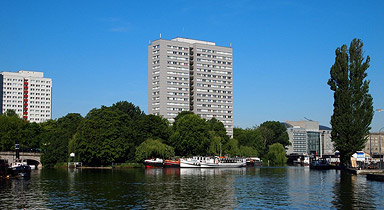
(11, 128)
(103, 137)
(191, 136)
(249, 137)
(134, 112)
(218, 130)
(352, 108)
(274, 132)
(231, 148)
(256, 141)
(276, 154)
(152, 126)
(153, 148)
(55, 136)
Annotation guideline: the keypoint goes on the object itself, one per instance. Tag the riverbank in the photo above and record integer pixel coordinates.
(114, 166)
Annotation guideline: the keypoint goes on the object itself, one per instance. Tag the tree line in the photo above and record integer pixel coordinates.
(124, 133)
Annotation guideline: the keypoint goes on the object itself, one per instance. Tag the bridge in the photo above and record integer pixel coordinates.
(32, 158)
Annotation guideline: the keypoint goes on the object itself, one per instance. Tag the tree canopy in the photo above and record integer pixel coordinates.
(352, 107)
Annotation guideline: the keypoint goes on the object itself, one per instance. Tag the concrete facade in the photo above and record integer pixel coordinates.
(190, 75)
(308, 137)
(374, 142)
(28, 93)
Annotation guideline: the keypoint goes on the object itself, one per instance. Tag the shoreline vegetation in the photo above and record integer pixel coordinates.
(122, 133)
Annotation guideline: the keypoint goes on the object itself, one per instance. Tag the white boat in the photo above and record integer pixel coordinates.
(193, 162)
(154, 163)
(212, 162)
(219, 162)
(20, 168)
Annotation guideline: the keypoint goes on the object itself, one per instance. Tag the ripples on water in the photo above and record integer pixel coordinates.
(244, 188)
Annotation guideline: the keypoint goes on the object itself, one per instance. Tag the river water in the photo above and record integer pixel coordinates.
(243, 188)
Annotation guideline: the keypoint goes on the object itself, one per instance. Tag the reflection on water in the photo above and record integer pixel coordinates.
(242, 188)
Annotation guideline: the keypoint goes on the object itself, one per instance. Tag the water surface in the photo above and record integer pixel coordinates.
(243, 188)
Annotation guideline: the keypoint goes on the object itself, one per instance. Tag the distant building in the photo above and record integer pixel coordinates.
(373, 145)
(190, 75)
(308, 137)
(28, 93)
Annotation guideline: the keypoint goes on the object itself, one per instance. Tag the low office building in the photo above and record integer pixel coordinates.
(374, 145)
(308, 137)
(28, 93)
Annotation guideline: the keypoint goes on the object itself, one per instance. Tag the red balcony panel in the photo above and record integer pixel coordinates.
(25, 99)
(25, 91)
(25, 96)
(25, 83)
(25, 117)
(25, 113)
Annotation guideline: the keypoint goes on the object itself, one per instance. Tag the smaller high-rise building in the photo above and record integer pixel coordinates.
(28, 93)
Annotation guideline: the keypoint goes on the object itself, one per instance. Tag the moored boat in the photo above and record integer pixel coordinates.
(254, 162)
(19, 168)
(320, 164)
(212, 162)
(223, 162)
(171, 163)
(154, 163)
(193, 162)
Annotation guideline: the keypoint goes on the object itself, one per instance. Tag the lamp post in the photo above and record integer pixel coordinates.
(381, 159)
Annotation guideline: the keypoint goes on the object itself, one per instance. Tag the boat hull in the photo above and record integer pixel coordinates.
(223, 165)
(153, 163)
(171, 164)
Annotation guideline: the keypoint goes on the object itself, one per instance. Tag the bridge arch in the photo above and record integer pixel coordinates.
(32, 158)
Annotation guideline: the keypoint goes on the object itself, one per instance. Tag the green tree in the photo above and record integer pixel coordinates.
(152, 148)
(274, 132)
(246, 151)
(215, 146)
(250, 138)
(191, 136)
(152, 126)
(55, 137)
(352, 107)
(218, 129)
(231, 148)
(106, 135)
(276, 154)
(11, 129)
(134, 112)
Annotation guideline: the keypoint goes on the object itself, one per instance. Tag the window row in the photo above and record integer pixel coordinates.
(177, 47)
(177, 53)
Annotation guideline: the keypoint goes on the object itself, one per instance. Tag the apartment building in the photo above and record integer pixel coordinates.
(28, 93)
(190, 75)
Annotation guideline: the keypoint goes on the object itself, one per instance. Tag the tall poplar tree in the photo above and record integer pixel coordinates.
(352, 107)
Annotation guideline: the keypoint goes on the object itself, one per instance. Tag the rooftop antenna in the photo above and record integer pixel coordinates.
(149, 41)
(160, 35)
(230, 44)
(308, 119)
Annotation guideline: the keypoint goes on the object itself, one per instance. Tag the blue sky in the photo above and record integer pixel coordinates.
(96, 51)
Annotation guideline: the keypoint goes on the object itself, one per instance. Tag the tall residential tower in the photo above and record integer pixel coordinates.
(190, 75)
(28, 93)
